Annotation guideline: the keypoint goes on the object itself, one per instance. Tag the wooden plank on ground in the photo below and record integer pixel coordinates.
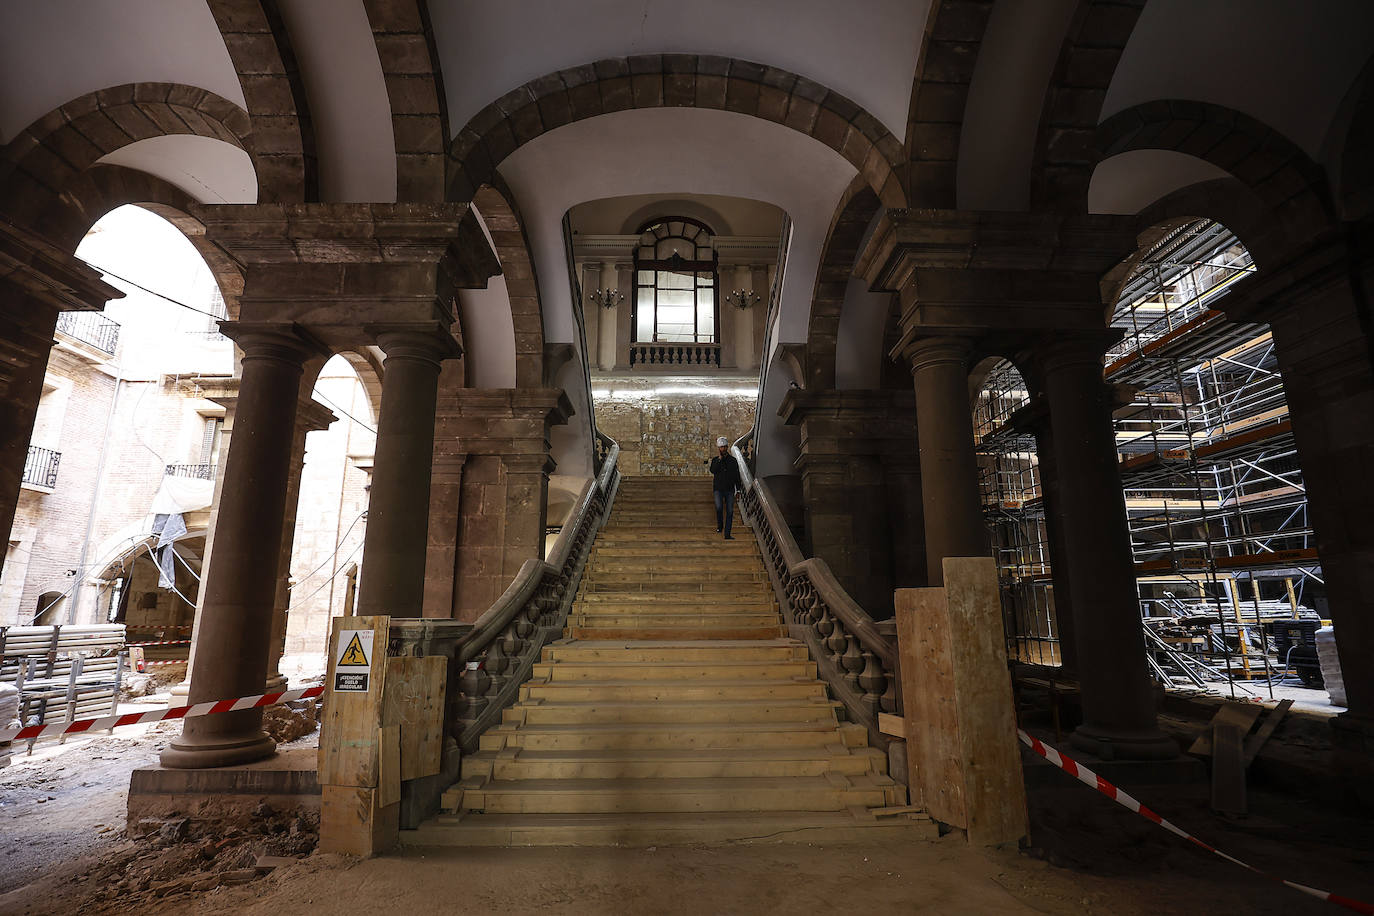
(1241, 715)
(1271, 722)
(414, 701)
(1228, 768)
(934, 754)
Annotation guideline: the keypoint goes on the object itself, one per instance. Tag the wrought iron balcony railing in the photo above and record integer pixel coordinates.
(40, 467)
(91, 328)
(198, 471)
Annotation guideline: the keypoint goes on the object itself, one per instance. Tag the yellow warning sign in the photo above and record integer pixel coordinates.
(353, 655)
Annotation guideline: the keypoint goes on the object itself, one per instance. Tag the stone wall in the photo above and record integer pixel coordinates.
(670, 434)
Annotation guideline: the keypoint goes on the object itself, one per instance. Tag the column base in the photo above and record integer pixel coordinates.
(276, 682)
(1113, 745)
(1352, 756)
(181, 690)
(192, 754)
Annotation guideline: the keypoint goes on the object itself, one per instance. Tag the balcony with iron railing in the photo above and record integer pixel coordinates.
(40, 467)
(90, 328)
(197, 471)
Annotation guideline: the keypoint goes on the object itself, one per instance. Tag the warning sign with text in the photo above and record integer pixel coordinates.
(354, 665)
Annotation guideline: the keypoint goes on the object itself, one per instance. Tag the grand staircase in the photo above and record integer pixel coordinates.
(676, 708)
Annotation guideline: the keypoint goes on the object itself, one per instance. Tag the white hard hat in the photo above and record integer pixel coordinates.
(721, 441)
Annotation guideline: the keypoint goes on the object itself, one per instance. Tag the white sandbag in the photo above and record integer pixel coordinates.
(1331, 665)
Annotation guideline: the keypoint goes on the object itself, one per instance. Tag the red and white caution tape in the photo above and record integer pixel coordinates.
(162, 642)
(157, 715)
(1088, 777)
(171, 661)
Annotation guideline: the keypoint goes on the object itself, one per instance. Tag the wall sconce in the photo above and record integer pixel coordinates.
(742, 299)
(606, 298)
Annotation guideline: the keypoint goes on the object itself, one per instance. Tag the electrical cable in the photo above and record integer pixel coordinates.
(330, 403)
(337, 548)
(111, 273)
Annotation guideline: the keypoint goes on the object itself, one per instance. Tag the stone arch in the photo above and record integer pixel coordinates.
(38, 164)
(368, 367)
(415, 88)
(939, 94)
(102, 188)
(283, 152)
(1092, 48)
(853, 214)
(507, 230)
(1354, 175)
(674, 81)
(1281, 175)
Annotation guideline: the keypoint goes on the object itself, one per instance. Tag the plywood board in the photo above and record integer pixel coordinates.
(388, 765)
(414, 701)
(1241, 715)
(348, 731)
(351, 822)
(934, 751)
(1271, 722)
(994, 787)
(1228, 768)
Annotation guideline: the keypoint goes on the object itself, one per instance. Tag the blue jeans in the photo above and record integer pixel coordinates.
(725, 510)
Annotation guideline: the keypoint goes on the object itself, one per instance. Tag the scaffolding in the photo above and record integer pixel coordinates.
(1228, 579)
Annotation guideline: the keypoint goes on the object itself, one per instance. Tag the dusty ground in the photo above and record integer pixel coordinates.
(70, 854)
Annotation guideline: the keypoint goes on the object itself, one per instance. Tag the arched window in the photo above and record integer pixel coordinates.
(675, 283)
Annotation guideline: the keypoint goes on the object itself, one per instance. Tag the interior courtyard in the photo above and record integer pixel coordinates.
(732, 457)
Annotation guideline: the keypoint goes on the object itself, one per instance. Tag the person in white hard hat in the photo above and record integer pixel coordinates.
(725, 471)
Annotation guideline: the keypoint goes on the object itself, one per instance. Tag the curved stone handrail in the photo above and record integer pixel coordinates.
(853, 653)
(497, 655)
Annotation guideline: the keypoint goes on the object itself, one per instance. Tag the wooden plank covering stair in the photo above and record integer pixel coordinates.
(675, 710)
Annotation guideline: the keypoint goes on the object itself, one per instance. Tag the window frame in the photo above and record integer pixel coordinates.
(651, 237)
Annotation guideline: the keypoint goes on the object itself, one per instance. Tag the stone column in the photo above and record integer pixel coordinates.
(949, 467)
(393, 574)
(28, 330)
(604, 343)
(762, 283)
(592, 312)
(236, 624)
(1118, 695)
(1319, 311)
(1054, 534)
(310, 416)
(624, 332)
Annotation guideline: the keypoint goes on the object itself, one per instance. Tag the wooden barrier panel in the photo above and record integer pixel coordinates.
(383, 724)
(964, 766)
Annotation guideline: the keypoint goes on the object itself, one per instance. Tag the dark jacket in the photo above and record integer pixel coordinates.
(725, 471)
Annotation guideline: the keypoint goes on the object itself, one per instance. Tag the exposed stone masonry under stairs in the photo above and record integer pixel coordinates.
(675, 708)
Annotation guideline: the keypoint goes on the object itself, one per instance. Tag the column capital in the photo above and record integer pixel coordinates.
(430, 341)
(285, 341)
(922, 349)
(1072, 348)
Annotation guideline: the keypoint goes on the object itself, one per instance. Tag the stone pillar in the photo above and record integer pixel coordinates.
(236, 625)
(592, 312)
(503, 438)
(441, 538)
(27, 336)
(1118, 695)
(1319, 311)
(393, 573)
(604, 343)
(310, 416)
(1054, 534)
(624, 331)
(761, 280)
(856, 491)
(949, 467)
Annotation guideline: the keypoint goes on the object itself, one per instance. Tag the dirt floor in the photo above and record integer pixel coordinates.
(64, 849)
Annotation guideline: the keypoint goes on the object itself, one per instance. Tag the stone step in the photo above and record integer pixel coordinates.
(679, 735)
(703, 549)
(612, 565)
(676, 600)
(584, 691)
(710, 763)
(610, 620)
(603, 796)
(662, 712)
(577, 630)
(650, 578)
(665, 651)
(829, 828)
(682, 672)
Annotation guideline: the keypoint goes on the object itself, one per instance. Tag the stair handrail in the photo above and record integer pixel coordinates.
(853, 654)
(500, 651)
